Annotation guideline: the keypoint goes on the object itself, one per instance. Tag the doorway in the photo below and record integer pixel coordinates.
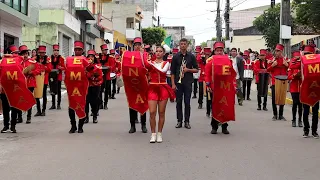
(8, 41)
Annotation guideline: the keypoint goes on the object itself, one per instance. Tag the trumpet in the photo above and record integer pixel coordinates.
(183, 64)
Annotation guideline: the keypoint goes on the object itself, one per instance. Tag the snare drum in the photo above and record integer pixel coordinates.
(248, 74)
(113, 76)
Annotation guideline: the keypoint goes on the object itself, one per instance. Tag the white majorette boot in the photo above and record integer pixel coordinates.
(159, 137)
(153, 138)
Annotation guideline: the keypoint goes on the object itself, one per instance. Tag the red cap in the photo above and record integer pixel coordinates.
(13, 48)
(112, 51)
(23, 48)
(104, 47)
(175, 50)
(137, 40)
(42, 49)
(207, 50)
(279, 47)
(91, 52)
(246, 53)
(296, 53)
(147, 46)
(198, 49)
(169, 58)
(263, 52)
(309, 48)
(218, 44)
(78, 44)
(55, 47)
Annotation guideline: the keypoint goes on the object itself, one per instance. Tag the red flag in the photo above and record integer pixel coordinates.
(135, 80)
(14, 85)
(223, 101)
(77, 84)
(310, 93)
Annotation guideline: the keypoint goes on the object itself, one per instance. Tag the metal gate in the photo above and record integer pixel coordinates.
(65, 46)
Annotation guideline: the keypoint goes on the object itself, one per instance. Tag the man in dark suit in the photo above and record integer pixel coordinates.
(239, 68)
(184, 87)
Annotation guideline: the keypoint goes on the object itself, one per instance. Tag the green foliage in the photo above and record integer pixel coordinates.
(269, 25)
(154, 35)
(307, 12)
(203, 44)
(215, 39)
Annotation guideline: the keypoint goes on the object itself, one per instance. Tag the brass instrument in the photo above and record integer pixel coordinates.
(183, 64)
(28, 69)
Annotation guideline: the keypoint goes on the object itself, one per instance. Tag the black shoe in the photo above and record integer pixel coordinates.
(132, 130)
(13, 129)
(37, 114)
(80, 125)
(80, 131)
(52, 107)
(274, 118)
(265, 109)
(91, 114)
(5, 130)
(248, 99)
(86, 121)
(112, 97)
(179, 125)
(43, 113)
(315, 135)
(58, 107)
(305, 134)
(214, 131)
(282, 118)
(240, 104)
(259, 108)
(105, 107)
(28, 121)
(208, 115)
(73, 130)
(144, 129)
(187, 125)
(294, 124)
(225, 131)
(118, 92)
(20, 120)
(101, 106)
(200, 106)
(300, 123)
(194, 97)
(95, 120)
(136, 121)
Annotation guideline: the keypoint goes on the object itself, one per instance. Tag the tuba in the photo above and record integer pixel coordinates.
(183, 64)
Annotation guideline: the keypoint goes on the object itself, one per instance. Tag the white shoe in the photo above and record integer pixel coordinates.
(159, 137)
(153, 138)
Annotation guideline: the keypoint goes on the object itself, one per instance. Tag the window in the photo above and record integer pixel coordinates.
(8, 2)
(16, 4)
(19, 5)
(24, 7)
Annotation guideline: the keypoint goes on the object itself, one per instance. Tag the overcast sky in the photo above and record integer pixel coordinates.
(195, 15)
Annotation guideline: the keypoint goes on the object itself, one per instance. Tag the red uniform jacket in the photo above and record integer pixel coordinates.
(118, 68)
(110, 63)
(294, 74)
(279, 69)
(248, 64)
(58, 63)
(202, 67)
(31, 81)
(208, 72)
(95, 75)
(45, 66)
(259, 67)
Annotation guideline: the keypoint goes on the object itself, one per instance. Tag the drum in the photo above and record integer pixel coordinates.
(38, 91)
(196, 75)
(248, 74)
(281, 86)
(263, 84)
(113, 76)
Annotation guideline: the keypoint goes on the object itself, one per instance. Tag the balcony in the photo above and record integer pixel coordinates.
(104, 23)
(82, 9)
(92, 30)
(132, 33)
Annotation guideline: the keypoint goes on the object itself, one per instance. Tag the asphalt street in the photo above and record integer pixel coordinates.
(257, 148)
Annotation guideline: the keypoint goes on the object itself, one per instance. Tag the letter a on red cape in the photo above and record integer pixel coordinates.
(14, 85)
(223, 101)
(77, 84)
(135, 81)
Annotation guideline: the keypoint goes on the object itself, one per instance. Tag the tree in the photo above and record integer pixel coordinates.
(215, 39)
(269, 25)
(203, 44)
(307, 13)
(154, 35)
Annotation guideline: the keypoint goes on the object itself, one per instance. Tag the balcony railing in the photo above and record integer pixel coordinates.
(82, 8)
(132, 33)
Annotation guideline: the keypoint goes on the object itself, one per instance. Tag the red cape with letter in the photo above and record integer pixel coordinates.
(310, 93)
(77, 84)
(223, 101)
(135, 80)
(14, 84)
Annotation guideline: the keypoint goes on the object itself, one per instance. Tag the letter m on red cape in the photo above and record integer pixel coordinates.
(14, 85)
(135, 80)
(223, 101)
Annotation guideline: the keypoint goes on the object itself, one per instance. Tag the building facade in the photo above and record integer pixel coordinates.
(176, 32)
(14, 15)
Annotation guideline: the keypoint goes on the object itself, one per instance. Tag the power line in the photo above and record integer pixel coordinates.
(239, 3)
(187, 17)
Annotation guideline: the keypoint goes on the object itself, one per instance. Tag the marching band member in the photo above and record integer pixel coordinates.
(238, 66)
(106, 69)
(260, 66)
(169, 60)
(30, 75)
(58, 64)
(202, 65)
(277, 66)
(294, 75)
(77, 86)
(34, 54)
(118, 69)
(158, 94)
(95, 78)
(196, 75)
(184, 64)
(112, 61)
(248, 65)
(221, 84)
(14, 90)
(45, 65)
(208, 93)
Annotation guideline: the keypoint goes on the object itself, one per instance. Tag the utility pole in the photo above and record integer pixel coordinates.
(227, 21)
(285, 27)
(218, 22)
(158, 21)
(273, 3)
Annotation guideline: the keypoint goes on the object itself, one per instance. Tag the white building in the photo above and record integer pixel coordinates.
(177, 33)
